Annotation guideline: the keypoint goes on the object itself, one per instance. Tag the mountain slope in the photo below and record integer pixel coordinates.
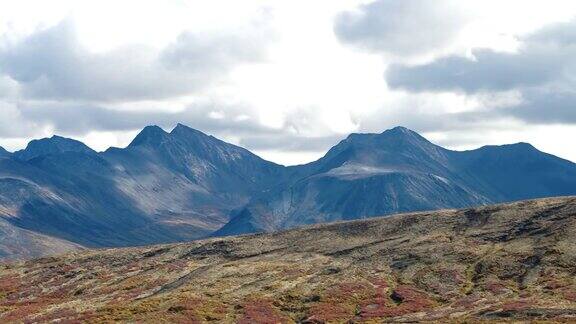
(51, 195)
(398, 171)
(184, 185)
(3, 153)
(17, 243)
(53, 145)
(364, 175)
(164, 187)
(189, 178)
(517, 171)
(511, 262)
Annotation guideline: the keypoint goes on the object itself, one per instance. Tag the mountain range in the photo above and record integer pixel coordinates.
(184, 185)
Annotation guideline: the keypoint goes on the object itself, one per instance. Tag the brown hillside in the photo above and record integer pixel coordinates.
(504, 263)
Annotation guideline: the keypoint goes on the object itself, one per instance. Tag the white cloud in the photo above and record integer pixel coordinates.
(402, 28)
(130, 63)
(52, 64)
(542, 71)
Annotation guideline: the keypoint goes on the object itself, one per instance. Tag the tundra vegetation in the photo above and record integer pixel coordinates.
(504, 262)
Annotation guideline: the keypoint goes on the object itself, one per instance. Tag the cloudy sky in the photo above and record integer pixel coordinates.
(289, 79)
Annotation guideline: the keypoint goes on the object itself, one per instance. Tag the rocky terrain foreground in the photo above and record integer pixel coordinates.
(499, 263)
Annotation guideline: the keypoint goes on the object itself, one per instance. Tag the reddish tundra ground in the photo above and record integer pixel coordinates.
(514, 262)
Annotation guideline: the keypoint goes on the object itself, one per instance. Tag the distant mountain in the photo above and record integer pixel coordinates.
(51, 195)
(164, 187)
(184, 185)
(516, 172)
(398, 171)
(205, 160)
(53, 145)
(4, 154)
(187, 180)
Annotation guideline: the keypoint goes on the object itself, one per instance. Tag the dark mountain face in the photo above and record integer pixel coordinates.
(184, 185)
(187, 180)
(4, 154)
(364, 175)
(53, 145)
(398, 150)
(397, 171)
(207, 160)
(163, 187)
(516, 172)
(66, 197)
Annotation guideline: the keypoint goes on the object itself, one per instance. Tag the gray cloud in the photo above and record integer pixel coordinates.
(539, 107)
(12, 125)
(199, 54)
(545, 107)
(543, 71)
(561, 34)
(488, 71)
(237, 121)
(406, 27)
(8, 87)
(52, 64)
(78, 120)
(427, 120)
(291, 142)
(545, 57)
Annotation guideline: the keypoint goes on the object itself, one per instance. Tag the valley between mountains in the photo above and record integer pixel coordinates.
(59, 195)
(504, 263)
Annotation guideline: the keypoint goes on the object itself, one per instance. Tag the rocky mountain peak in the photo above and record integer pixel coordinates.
(4, 153)
(185, 133)
(183, 129)
(151, 135)
(53, 145)
(393, 146)
(394, 136)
